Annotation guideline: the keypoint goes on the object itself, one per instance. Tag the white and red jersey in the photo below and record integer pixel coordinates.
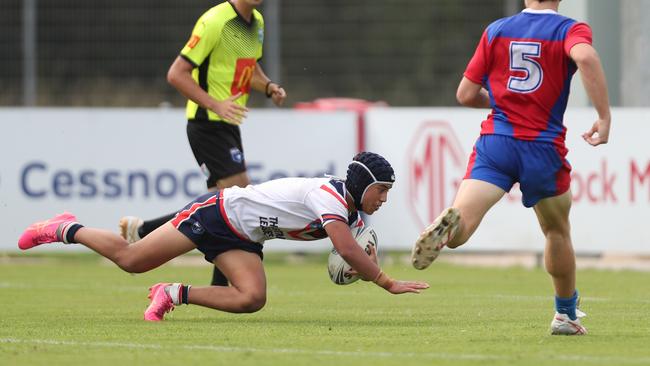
(287, 208)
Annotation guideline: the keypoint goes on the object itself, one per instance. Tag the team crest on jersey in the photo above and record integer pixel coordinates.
(260, 35)
(236, 155)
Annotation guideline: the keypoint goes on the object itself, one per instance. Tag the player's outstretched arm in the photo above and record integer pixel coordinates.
(344, 243)
(593, 78)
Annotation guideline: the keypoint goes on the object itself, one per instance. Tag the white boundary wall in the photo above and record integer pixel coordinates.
(102, 164)
(105, 163)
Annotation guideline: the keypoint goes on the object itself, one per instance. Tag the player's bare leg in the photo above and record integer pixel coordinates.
(559, 259)
(239, 180)
(247, 292)
(162, 245)
(457, 223)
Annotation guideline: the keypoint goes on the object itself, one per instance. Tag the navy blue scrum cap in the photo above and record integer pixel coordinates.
(364, 170)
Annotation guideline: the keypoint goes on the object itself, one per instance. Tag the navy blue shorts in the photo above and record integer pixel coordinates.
(204, 223)
(539, 167)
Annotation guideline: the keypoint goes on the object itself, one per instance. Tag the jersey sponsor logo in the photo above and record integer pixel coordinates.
(436, 163)
(241, 82)
(194, 40)
(269, 227)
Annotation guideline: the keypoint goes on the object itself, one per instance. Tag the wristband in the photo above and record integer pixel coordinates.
(382, 280)
(266, 89)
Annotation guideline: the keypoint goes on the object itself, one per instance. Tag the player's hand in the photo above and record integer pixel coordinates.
(598, 134)
(401, 287)
(230, 111)
(373, 257)
(278, 95)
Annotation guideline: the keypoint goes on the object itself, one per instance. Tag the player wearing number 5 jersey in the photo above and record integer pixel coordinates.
(216, 71)
(522, 69)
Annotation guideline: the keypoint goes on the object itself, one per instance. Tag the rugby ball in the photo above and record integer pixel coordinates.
(338, 268)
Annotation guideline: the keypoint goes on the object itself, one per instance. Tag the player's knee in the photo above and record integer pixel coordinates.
(557, 234)
(132, 265)
(252, 302)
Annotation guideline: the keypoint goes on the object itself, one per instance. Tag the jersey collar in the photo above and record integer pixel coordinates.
(241, 17)
(533, 11)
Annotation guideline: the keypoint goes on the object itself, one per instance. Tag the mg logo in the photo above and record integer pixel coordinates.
(436, 164)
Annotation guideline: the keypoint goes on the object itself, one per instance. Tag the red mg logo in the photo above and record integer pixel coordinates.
(436, 164)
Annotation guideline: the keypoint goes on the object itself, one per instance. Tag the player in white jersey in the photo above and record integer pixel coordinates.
(230, 226)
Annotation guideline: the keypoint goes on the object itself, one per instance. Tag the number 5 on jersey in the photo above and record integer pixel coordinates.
(522, 60)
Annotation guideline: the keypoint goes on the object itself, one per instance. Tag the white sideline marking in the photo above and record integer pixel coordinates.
(609, 360)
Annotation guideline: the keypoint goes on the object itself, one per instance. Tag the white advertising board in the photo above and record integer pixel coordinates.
(101, 164)
(429, 148)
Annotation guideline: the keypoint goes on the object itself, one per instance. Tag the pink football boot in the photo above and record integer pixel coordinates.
(161, 303)
(48, 231)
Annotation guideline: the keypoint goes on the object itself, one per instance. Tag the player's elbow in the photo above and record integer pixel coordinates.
(464, 97)
(584, 55)
(172, 77)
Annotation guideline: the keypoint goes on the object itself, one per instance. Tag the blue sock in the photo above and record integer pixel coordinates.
(567, 305)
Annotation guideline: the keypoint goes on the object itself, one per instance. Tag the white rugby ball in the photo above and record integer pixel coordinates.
(338, 268)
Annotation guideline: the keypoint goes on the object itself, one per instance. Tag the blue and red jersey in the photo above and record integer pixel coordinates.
(523, 62)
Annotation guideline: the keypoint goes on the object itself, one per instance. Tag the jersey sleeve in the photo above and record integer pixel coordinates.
(327, 204)
(205, 35)
(578, 33)
(477, 66)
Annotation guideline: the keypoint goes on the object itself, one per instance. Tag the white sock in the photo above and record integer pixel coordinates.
(174, 291)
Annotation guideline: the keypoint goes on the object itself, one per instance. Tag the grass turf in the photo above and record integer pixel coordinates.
(77, 309)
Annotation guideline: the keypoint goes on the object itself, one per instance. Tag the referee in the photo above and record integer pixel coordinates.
(216, 70)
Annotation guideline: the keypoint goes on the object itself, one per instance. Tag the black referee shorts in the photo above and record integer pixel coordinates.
(217, 148)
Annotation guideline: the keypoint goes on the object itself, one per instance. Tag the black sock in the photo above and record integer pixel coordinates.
(70, 231)
(218, 278)
(151, 225)
(184, 292)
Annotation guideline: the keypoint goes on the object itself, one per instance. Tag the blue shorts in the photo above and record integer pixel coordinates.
(540, 167)
(204, 223)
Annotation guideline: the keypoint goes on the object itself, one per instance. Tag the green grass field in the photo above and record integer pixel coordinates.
(77, 309)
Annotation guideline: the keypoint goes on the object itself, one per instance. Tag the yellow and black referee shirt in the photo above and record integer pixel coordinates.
(224, 49)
